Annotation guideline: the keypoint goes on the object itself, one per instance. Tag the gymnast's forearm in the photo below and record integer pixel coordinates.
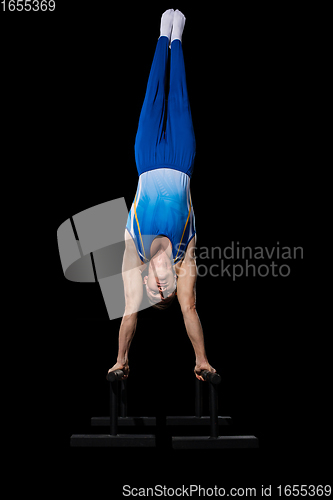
(126, 334)
(195, 333)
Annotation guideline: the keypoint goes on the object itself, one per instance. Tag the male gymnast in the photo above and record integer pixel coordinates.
(160, 233)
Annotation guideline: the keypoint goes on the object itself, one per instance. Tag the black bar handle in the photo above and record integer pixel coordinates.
(113, 409)
(116, 375)
(213, 410)
(123, 399)
(198, 398)
(213, 378)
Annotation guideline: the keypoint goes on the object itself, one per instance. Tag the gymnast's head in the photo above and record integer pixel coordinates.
(161, 281)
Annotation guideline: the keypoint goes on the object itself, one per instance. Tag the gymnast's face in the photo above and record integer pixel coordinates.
(161, 280)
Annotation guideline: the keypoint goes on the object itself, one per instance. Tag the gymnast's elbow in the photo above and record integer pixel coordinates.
(188, 308)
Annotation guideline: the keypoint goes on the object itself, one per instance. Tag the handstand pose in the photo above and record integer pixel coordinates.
(160, 233)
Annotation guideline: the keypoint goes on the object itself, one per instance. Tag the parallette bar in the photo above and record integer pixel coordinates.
(213, 378)
(116, 375)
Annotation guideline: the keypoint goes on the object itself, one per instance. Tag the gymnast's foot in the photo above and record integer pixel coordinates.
(166, 23)
(121, 366)
(178, 26)
(200, 367)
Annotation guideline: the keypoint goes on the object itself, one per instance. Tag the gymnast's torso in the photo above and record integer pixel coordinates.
(162, 207)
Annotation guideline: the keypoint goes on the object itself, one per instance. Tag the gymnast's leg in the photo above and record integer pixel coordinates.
(150, 129)
(179, 128)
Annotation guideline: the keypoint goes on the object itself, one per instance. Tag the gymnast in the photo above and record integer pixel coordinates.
(160, 233)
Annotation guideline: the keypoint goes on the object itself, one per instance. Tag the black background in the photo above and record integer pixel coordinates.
(75, 84)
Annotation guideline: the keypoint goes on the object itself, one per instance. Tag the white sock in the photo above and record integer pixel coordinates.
(178, 26)
(166, 23)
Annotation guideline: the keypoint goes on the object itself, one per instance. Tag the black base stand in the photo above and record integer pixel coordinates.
(118, 441)
(114, 439)
(125, 421)
(207, 442)
(214, 441)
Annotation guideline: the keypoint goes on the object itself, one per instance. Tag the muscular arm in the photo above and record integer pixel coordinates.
(186, 294)
(133, 297)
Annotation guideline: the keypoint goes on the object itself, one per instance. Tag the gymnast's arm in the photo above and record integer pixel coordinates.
(186, 294)
(133, 291)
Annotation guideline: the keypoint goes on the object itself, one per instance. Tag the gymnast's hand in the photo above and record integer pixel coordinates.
(121, 366)
(200, 367)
